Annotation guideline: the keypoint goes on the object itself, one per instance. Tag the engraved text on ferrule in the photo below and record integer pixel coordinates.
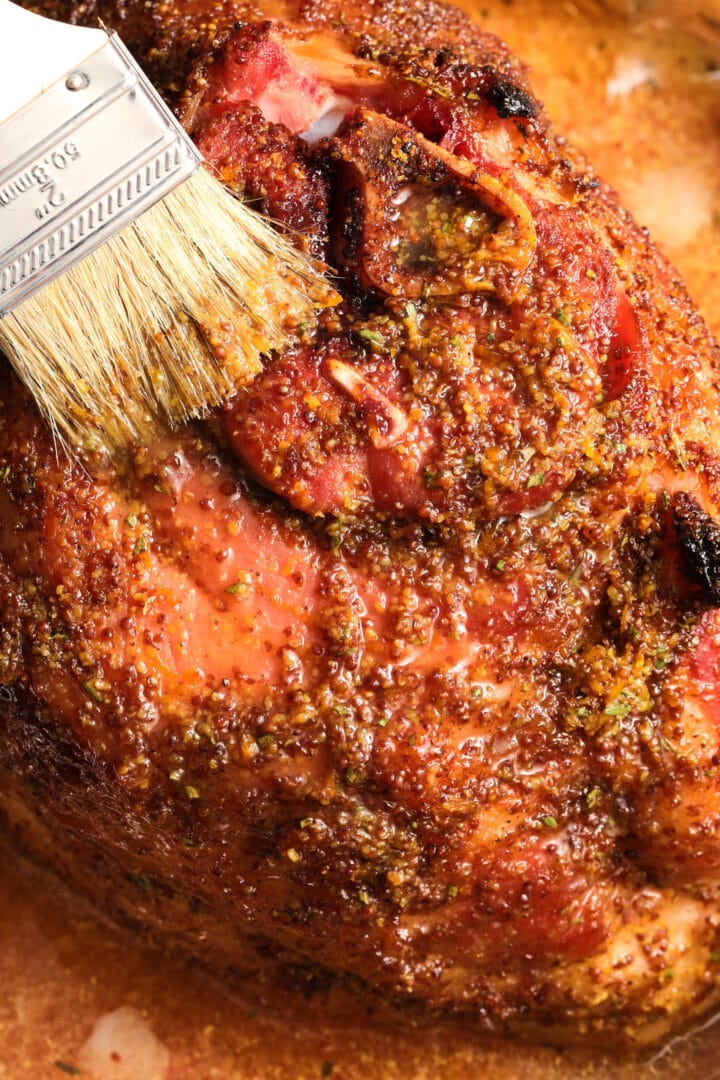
(42, 176)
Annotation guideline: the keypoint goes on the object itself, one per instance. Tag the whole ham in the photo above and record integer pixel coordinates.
(406, 666)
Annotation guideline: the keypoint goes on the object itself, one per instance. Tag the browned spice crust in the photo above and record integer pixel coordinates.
(450, 729)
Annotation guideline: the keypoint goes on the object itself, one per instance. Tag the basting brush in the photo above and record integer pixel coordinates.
(135, 291)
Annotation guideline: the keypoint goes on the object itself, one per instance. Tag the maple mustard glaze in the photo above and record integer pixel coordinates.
(638, 87)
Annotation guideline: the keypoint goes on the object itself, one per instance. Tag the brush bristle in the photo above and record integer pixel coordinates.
(164, 321)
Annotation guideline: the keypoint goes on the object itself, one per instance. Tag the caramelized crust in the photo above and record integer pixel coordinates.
(407, 664)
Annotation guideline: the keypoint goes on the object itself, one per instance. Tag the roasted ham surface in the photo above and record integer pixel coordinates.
(406, 666)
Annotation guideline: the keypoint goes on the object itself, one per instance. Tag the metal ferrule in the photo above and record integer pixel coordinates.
(78, 164)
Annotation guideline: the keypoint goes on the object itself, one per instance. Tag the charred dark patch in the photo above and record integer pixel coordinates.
(269, 166)
(510, 101)
(699, 540)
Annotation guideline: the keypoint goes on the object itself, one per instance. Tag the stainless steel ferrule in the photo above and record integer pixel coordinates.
(80, 162)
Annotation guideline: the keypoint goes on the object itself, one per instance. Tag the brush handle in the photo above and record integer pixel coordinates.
(35, 52)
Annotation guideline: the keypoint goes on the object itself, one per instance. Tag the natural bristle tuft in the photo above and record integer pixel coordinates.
(164, 321)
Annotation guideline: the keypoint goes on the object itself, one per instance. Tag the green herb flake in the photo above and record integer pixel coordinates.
(140, 545)
(192, 792)
(661, 659)
(500, 565)
(679, 452)
(536, 480)
(302, 327)
(430, 477)
(160, 489)
(383, 721)
(336, 532)
(131, 521)
(592, 798)
(490, 338)
(455, 339)
(549, 821)
(4, 473)
(590, 274)
(364, 897)
(372, 336)
(617, 708)
(64, 1067)
(561, 317)
(411, 312)
(238, 587)
(452, 891)
(92, 691)
(191, 844)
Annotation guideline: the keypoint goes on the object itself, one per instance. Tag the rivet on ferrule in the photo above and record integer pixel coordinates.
(77, 81)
